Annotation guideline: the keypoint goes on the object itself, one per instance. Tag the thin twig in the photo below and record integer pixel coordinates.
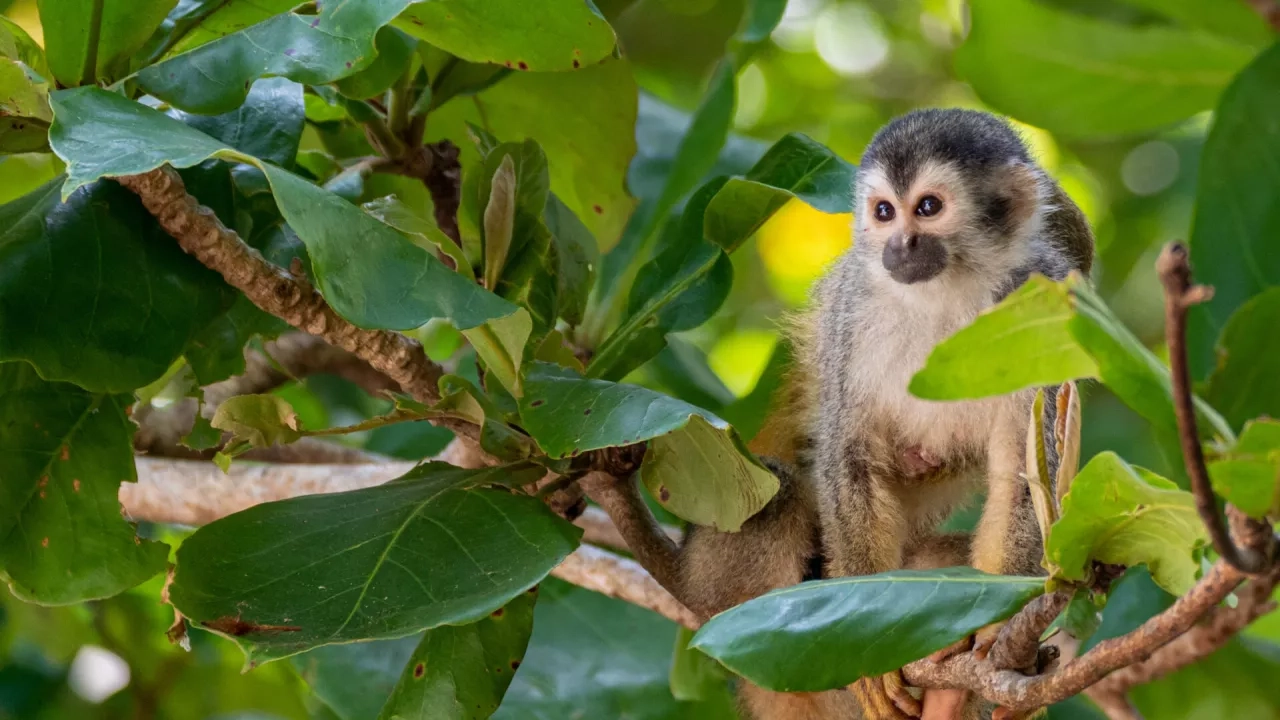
(1180, 294)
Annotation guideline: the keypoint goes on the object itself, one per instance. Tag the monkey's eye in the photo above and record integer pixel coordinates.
(929, 206)
(884, 211)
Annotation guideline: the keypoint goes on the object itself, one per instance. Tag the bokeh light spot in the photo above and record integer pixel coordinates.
(740, 357)
(797, 244)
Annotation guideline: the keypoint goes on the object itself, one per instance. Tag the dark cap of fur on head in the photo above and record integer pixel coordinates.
(973, 140)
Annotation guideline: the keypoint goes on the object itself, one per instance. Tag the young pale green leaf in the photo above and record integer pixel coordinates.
(500, 344)
(367, 271)
(678, 290)
(92, 40)
(698, 476)
(149, 298)
(694, 676)
(260, 420)
(16, 44)
(578, 649)
(1248, 475)
(395, 53)
(551, 35)
(1239, 178)
(1241, 386)
(1022, 342)
(24, 107)
(63, 454)
(1123, 515)
(247, 40)
(354, 680)
(499, 221)
(461, 672)
(696, 466)
(585, 123)
(1037, 470)
(826, 634)
(430, 548)
(1086, 77)
(795, 166)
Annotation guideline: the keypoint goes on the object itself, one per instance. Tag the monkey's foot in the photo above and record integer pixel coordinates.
(917, 461)
(886, 698)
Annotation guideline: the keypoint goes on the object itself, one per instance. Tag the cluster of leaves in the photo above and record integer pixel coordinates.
(562, 285)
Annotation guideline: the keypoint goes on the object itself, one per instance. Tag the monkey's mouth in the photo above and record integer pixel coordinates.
(914, 259)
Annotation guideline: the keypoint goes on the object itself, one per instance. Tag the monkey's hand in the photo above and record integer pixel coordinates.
(917, 461)
(885, 698)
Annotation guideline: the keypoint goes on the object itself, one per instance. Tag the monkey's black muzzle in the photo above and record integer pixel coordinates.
(914, 258)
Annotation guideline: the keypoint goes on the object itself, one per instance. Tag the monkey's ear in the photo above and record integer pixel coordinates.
(1020, 185)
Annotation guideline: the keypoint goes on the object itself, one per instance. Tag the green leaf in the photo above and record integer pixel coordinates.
(462, 672)
(1234, 682)
(500, 344)
(696, 465)
(576, 256)
(1241, 387)
(395, 54)
(1248, 475)
(260, 420)
(457, 78)
(595, 657)
(585, 123)
(1235, 214)
(698, 476)
(63, 454)
(24, 108)
(795, 166)
(95, 292)
(268, 125)
(246, 40)
(826, 634)
(694, 676)
(355, 679)
(430, 548)
(1235, 21)
(367, 271)
(1083, 77)
(680, 289)
(552, 35)
(1120, 514)
(1024, 341)
(422, 230)
(1046, 333)
(92, 40)
(16, 44)
(499, 220)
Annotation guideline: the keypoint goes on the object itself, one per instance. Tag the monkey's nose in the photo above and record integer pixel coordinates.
(909, 242)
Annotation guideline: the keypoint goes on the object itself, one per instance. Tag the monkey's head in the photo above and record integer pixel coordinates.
(946, 193)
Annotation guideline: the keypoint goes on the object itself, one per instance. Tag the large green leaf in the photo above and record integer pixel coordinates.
(1244, 385)
(16, 44)
(92, 291)
(795, 166)
(595, 657)
(1236, 21)
(548, 35)
(680, 289)
(92, 40)
(395, 55)
(1119, 514)
(24, 92)
(697, 465)
(211, 69)
(1046, 333)
(1248, 475)
(1085, 77)
(428, 549)
(367, 271)
(585, 123)
(1236, 222)
(63, 454)
(461, 672)
(826, 634)
(268, 125)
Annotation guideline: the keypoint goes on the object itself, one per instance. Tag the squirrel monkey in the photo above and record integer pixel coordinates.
(952, 215)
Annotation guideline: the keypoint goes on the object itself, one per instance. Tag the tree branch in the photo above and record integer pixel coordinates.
(276, 291)
(1180, 294)
(1018, 643)
(624, 579)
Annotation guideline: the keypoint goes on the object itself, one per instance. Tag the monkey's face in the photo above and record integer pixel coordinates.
(941, 219)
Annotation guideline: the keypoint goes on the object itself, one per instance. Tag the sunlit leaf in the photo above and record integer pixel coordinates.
(1248, 474)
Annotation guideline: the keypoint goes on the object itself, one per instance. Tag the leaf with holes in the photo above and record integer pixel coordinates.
(63, 454)
(826, 634)
(461, 672)
(433, 547)
(1123, 515)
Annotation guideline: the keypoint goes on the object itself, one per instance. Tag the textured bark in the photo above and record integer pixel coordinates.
(1018, 643)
